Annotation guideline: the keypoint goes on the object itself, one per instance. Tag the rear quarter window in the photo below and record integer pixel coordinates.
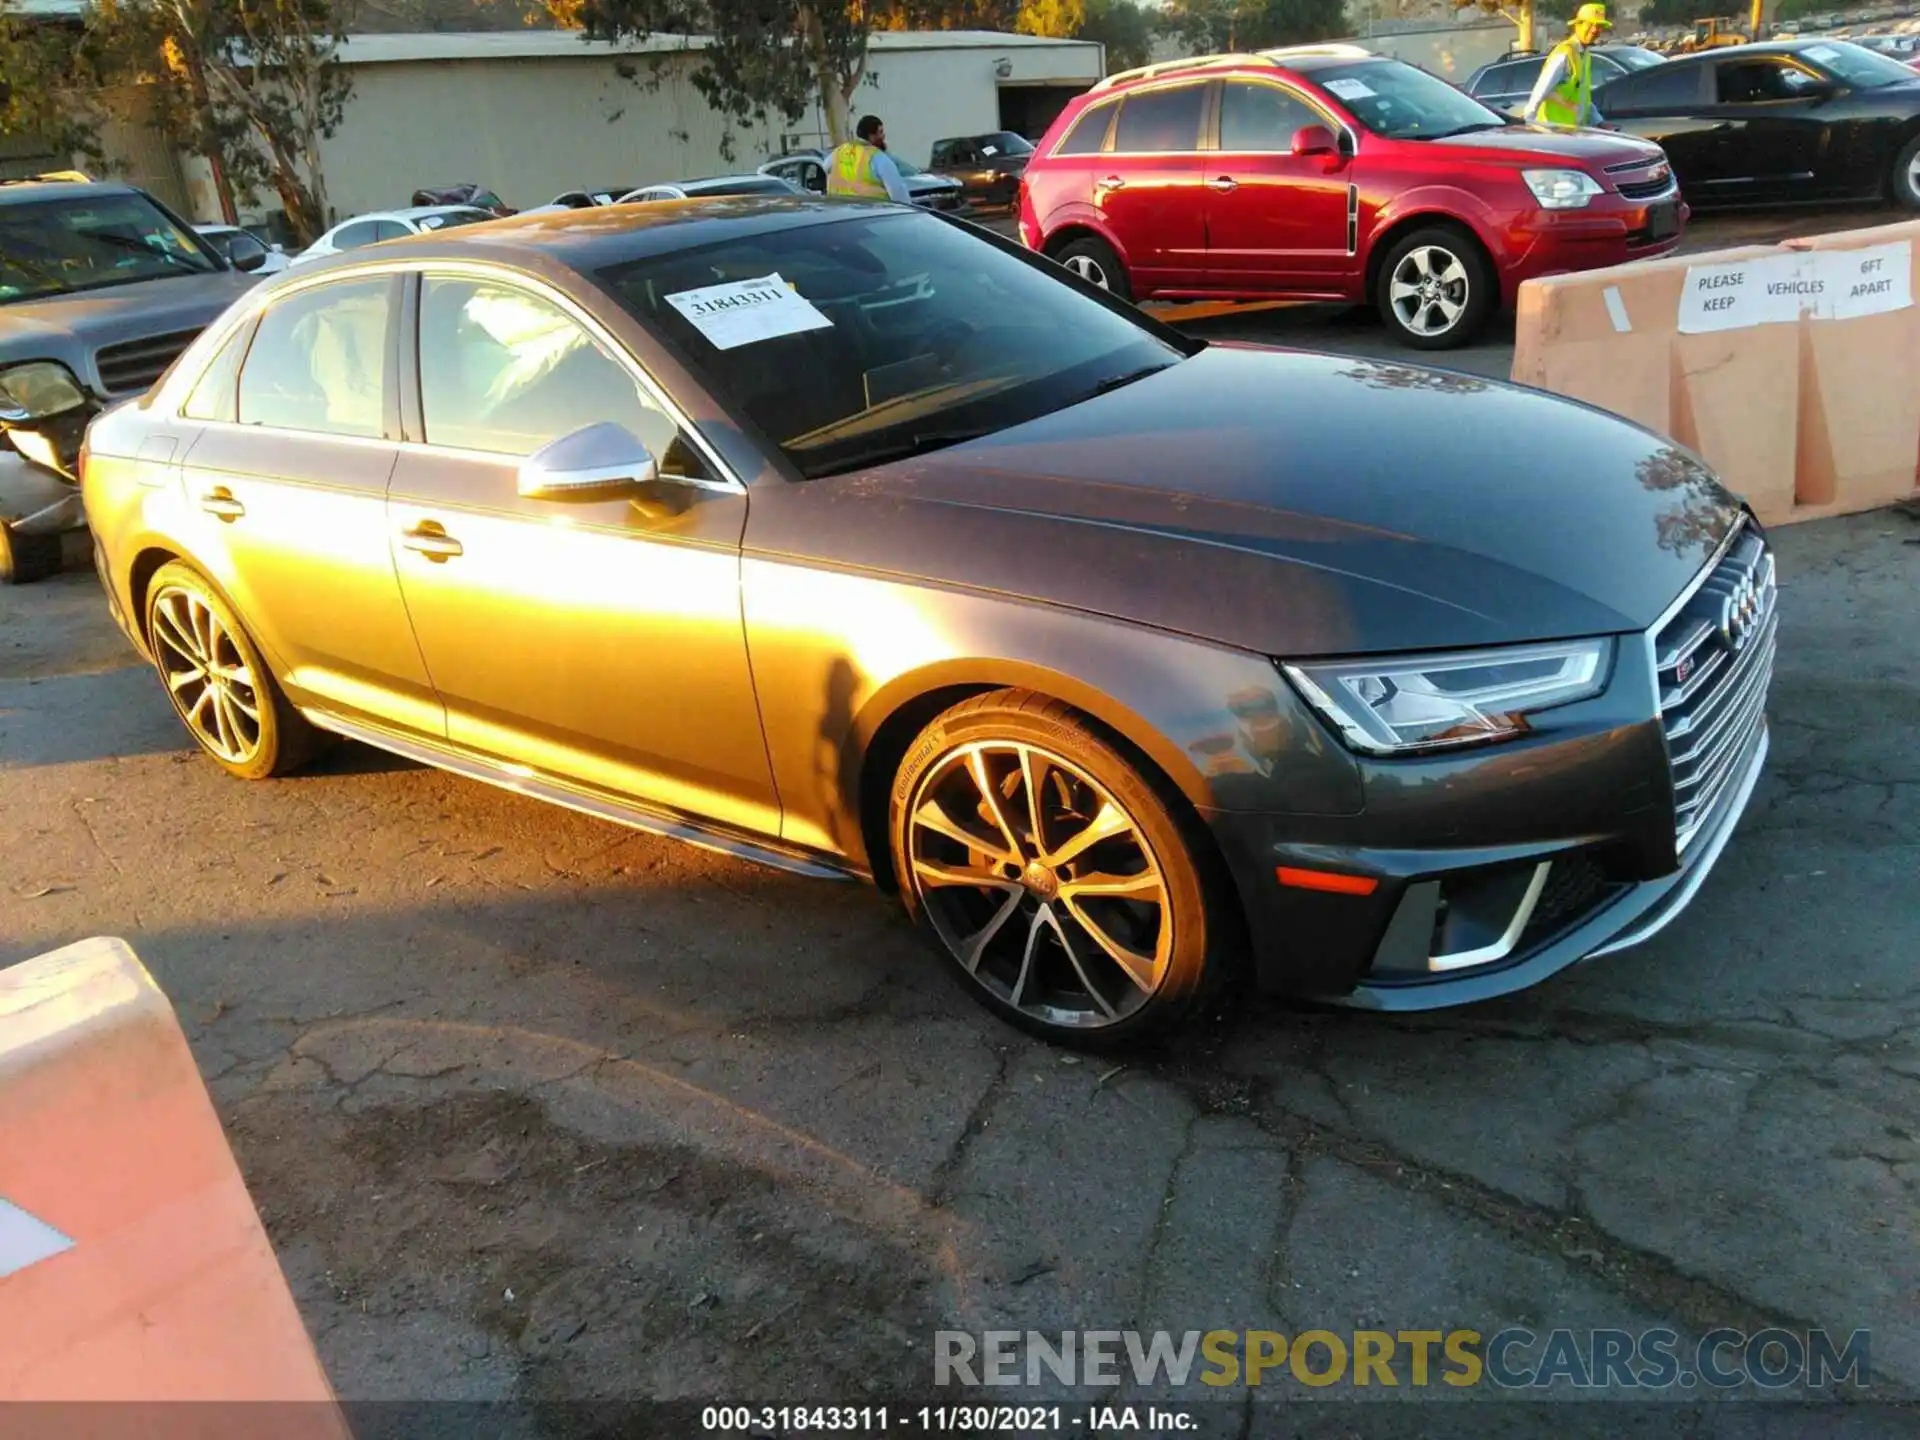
(1089, 133)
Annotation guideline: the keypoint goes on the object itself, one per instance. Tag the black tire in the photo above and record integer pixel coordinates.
(26, 558)
(281, 738)
(1463, 282)
(1904, 183)
(1095, 262)
(1053, 975)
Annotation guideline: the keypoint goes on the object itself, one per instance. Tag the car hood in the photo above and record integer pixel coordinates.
(1581, 147)
(69, 328)
(1296, 504)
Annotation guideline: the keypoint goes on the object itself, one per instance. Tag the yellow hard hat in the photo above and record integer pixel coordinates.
(1595, 15)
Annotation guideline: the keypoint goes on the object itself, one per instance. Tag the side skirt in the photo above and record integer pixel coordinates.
(523, 781)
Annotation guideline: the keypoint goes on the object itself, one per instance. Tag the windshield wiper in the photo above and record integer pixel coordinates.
(905, 448)
(141, 247)
(1472, 129)
(1114, 382)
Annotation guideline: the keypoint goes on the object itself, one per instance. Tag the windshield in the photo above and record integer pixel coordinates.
(1856, 65)
(452, 218)
(1632, 57)
(1003, 142)
(1398, 101)
(867, 339)
(53, 247)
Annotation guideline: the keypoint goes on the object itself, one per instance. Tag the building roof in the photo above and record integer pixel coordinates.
(392, 49)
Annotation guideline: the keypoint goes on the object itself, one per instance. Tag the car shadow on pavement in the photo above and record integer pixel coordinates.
(74, 719)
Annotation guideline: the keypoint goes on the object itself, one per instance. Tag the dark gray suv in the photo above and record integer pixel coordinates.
(101, 288)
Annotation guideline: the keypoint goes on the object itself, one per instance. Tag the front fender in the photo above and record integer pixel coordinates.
(1437, 202)
(838, 653)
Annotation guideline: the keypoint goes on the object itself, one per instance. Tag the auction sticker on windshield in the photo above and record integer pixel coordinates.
(1822, 53)
(742, 312)
(1350, 89)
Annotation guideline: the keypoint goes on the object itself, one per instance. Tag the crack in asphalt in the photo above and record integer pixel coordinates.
(939, 1192)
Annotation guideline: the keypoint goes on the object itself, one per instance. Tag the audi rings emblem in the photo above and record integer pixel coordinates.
(1740, 614)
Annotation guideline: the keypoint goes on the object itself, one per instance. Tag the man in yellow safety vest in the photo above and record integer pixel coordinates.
(1563, 95)
(862, 169)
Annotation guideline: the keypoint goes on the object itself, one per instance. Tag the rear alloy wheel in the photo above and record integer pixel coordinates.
(1905, 181)
(1435, 289)
(218, 683)
(1050, 872)
(1094, 261)
(26, 558)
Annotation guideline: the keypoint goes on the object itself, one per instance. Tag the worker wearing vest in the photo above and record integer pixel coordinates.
(862, 169)
(1563, 95)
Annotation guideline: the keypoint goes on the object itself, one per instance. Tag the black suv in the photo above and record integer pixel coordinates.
(1507, 83)
(101, 286)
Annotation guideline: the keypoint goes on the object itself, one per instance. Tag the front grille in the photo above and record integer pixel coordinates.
(1642, 163)
(1645, 189)
(130, 367)
(1714, 658)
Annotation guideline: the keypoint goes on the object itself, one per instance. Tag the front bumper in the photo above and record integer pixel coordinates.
(1641, 911)
(1610, 231)
(34, 501)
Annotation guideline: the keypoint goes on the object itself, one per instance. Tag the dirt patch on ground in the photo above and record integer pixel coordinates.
(594, 1271)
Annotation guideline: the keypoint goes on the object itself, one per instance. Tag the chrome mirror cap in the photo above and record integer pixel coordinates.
(600, 458)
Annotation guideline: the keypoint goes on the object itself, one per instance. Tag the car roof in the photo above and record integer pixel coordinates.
(22, 191)
(592, 239)
(1758, 49)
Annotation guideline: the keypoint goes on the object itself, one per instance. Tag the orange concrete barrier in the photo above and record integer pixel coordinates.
(133, 1266)
(1791, 369)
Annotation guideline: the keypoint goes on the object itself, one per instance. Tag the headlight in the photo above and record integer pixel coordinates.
(37, 390)
(1433, 702)
(1561, 189)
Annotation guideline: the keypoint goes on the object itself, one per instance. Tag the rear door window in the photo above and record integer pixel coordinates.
(1511, 79)
(1159, 122)
(319, 361)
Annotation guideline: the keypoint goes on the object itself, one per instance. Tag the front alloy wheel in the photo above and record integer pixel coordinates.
(1050, 873)
(1436, 290)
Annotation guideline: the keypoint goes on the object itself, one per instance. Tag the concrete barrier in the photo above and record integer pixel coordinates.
(1791, 369)
(133, 1266)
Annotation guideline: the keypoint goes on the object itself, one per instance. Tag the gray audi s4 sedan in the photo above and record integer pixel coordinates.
(851, 539)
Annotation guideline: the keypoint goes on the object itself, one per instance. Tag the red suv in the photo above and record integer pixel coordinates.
(1330, 173)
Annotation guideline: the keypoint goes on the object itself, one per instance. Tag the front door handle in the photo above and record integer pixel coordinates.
(1112, 182)
(219, 501)
(1225, 184)
(431, 541)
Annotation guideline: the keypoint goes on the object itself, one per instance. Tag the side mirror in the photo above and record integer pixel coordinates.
(252, 260)
(1314, 140)
(597, 463)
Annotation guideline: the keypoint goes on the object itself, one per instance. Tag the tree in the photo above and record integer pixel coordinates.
(754, 59)
(253, 85)
(1209, 26)
(1055, 19)
(1126, 29)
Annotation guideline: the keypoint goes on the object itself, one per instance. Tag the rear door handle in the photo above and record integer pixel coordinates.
(219, 501)
(1112, 182)
(1225, 184)
(431, 541)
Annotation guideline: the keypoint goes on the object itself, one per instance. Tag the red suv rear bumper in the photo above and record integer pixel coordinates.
(1610, 231)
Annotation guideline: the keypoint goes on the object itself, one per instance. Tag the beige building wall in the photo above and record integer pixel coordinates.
(1452, 53)
(531, 126)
